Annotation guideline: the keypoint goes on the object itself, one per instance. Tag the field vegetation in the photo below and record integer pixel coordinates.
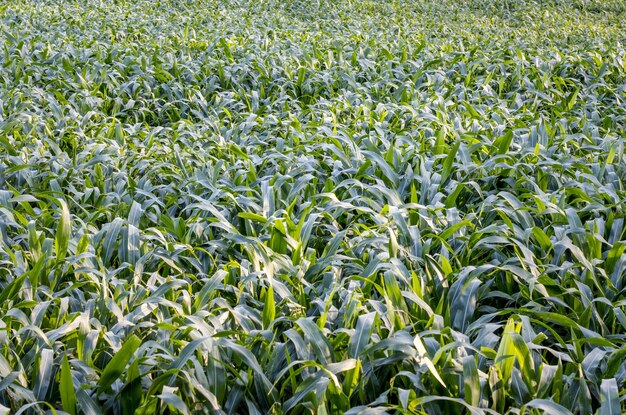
(312, 207)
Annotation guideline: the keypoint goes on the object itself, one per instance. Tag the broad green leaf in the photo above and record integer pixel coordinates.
(66, 388)
(44, 374)
(118, 362)
(503, 142)
(423, 356)
(505, 357)
(253, 217)
(269, 308)
(174, 401)
(362, 333)
(471, 382)
(449, 161)
(609, 397)
(548, 407)
(64, 228)
(131, 393)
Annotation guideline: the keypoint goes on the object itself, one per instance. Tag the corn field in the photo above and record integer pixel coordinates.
(312, 207)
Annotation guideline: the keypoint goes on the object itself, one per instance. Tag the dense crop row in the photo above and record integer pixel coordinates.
(265, 206)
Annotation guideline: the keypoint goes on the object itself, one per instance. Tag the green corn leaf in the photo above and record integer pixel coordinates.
(269, 308)
(174, 401)
(361, 336)
(316, 340)
(423, 354)
(110, 239)
(117, 364)
(352, 378)
(449, 161)
(131, 393)
(505, 357)
(66, 388)
(62, 236)
(548, 407)
(471, 382)
(609, 397)
(503, 143)
(252, 216)
(44, 374)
